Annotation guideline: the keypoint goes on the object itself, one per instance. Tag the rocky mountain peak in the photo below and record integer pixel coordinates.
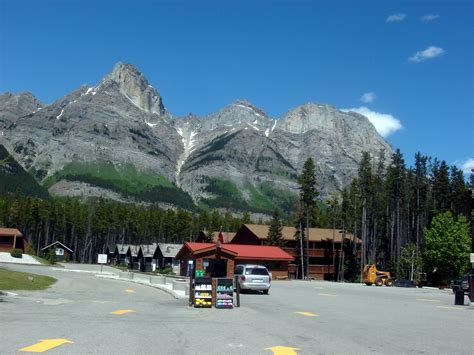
(13, 106)
(25, 99)
(307, 117)
(245, 104)
(133, 84)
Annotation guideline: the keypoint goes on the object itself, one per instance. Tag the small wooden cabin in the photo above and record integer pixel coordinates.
(62, 251)
(11, 238)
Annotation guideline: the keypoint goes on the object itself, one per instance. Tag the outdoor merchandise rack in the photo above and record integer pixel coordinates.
(225, 293)
(203, 292)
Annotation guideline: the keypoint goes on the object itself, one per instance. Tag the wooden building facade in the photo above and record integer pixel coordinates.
(62, 251)
(11, 238)
(324, 246)
(220, 260)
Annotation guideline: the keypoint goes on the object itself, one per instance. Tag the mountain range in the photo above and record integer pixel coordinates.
(117, 139)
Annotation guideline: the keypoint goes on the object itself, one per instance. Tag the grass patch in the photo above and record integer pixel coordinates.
(258, 200)
(284, 199)
(263, 198)
(124, 179)
(15, 280)
(41, 260)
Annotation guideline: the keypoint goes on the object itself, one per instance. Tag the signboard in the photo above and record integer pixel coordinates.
(102, 259)
(472, 257)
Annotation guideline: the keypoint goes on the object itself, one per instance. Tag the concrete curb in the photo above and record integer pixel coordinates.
(6, 293)
(83, 271)
(144, 282)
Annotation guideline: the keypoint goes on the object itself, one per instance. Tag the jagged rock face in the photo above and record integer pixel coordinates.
(334, 139)
(136, 87)
(236, 158)
(13, 106)
(100, 123)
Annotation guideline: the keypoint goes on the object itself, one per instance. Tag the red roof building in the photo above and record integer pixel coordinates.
(325, 251)
(220, 261)
(11, 238)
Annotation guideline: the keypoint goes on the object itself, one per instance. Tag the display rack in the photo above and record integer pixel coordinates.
(203, 292)
(225, 293)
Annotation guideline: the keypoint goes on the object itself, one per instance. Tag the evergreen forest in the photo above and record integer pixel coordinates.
(389, 206)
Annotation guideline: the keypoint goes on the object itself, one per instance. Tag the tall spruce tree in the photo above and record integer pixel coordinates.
(441, 187)
(275, 236)
(308, 195)
(395, 181)
(420, 197)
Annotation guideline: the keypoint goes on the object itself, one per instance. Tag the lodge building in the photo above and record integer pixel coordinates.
(322, 242)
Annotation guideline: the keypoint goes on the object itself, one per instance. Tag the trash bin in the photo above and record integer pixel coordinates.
(459, 297)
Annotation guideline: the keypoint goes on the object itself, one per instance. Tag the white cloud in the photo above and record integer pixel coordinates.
(384, 123)
(368, 97)
(429, 18)
(396, 18)
(467, 165)
(428, 53)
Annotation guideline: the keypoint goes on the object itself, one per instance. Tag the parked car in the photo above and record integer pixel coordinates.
(461, 283)
(404, 283)
(253, 277)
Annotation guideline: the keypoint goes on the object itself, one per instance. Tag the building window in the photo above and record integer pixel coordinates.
(59, 251)
(6, 240)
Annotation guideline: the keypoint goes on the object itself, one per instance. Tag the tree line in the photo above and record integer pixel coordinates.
(389, 206)
(88, 227)
(394, 210)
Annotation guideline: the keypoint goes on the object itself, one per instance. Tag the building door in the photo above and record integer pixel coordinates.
(218, 267)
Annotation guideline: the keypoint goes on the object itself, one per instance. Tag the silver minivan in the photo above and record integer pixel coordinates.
(253, 277)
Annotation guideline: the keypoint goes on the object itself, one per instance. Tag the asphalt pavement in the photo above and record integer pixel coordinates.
(84, 314)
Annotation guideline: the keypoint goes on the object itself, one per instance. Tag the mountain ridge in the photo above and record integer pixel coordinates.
(123, 120)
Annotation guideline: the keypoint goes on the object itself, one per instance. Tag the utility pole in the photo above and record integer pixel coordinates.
(302, 251)
(307, 242)
(334, 247)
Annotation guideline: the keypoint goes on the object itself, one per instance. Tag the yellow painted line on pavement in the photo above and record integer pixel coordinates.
(327, 294)
(308, 314)
(129, 290)
(45, 345)
(283, 350)
(427, 300)
(122, 311)
(455, 308)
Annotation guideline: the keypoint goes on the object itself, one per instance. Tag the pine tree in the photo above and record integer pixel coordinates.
(308, 195)
(441, 187)
(275, 236)
(420, 197)
(246, 218)
(396, 176)
(460, 196)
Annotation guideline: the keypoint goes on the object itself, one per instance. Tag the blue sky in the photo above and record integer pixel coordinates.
(407, 64)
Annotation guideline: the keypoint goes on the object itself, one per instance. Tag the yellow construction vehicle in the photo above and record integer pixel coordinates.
(373, 276)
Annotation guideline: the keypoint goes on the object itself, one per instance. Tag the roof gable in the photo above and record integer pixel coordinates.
(169, 250)
(56, 243)
(121, 248)
(239, 251)
(133, 250)
(10, 232)
(228, 236)
(315, 234)
(258, 252)
(148, 250)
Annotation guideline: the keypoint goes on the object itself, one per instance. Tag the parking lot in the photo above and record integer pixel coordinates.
(86, 314)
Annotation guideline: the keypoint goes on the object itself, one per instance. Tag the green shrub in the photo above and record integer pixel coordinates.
(30, 250)
(166, 271)
(51, 256)
(16, 253)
